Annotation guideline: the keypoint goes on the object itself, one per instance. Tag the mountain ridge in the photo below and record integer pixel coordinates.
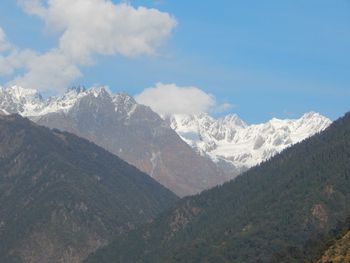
(62, 197)
(231, 140)
(187, 154)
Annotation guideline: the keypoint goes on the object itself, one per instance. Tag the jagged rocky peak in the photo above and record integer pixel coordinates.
(29, 102)
(313, 118)
(101, 91)
(204, 121)
(124, 103)
(234, 120)
(16, 99)
(81, 91)
(242, 145)
(20, 93)
(124, 98)
(312, 115)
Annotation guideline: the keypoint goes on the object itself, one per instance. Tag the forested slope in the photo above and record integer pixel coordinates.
(280, 205)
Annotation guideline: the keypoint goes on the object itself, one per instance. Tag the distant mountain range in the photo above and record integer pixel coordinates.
(62, 197)
(231, 141)
(185, 153)
(280, 205)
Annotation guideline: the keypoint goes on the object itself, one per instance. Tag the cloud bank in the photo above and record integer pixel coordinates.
(86, 28)
(168, 99)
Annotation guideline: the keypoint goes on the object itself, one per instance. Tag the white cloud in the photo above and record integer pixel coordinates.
(224, 107)
(33, 7)
(87, 28)
(15, 59)
(4, 45)
(101, 27)
(10, 57)
(50, 71)
(167, 99)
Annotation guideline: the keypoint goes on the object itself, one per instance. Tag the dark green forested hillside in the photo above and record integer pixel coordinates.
(331, 247)
(278, 206)
(62, 197)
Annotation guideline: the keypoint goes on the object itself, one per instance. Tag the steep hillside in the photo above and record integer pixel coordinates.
(281, 204)
(117, 123)
(62, 197)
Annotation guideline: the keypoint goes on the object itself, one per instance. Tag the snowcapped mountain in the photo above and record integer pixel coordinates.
(117, 123)
(18, 100)
(230, 140)
(165, 149)
(29, 103)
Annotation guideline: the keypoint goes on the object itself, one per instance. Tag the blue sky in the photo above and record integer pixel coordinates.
(268, 58)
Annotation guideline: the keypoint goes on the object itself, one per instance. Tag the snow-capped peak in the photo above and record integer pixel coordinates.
(124, 104)
(20, 93)
(228, 138)
(16, 99)
(29, 103)
(234, 121)
(123, 98)
(99, 91)
(232, 140)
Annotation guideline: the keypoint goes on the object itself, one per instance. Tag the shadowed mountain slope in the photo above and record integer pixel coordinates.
(62, 197)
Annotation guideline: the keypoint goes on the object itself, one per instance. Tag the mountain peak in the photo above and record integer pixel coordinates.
(77, 89)
(28, 102)
(312, 115)
(16, 99)
(19, 92)
(235, 120)
(81, 91)
(99, 91)
(124, 97)
(231, 140)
